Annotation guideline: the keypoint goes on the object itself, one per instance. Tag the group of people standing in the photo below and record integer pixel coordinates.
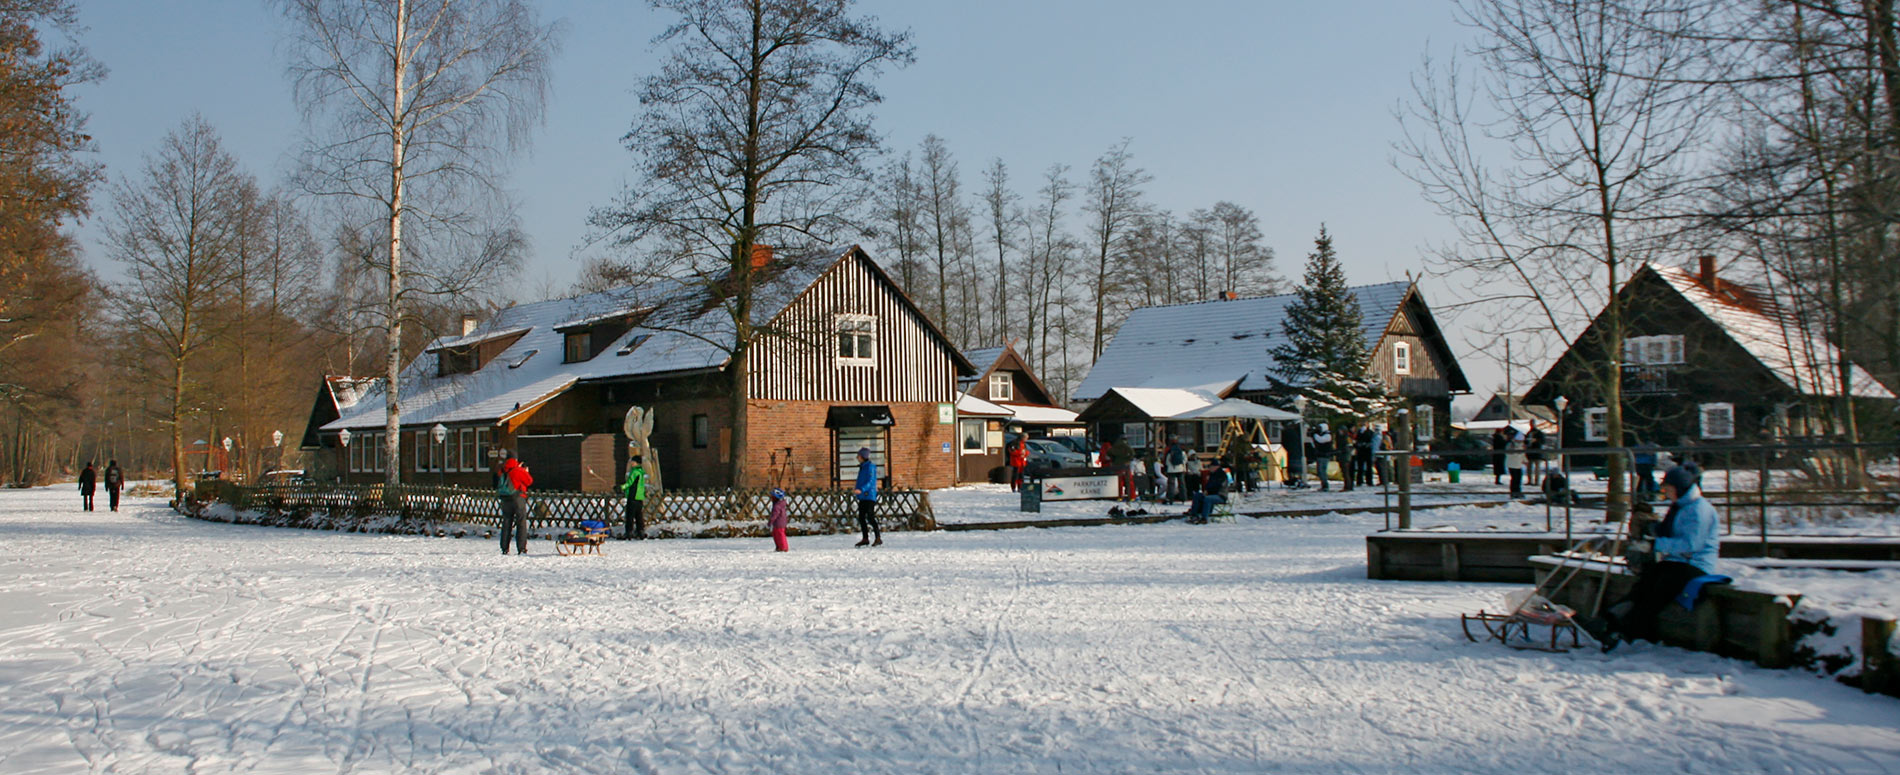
(89, 481)
(1356, 450)
(1519, 455)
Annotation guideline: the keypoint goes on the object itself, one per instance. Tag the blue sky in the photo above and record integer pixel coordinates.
(1283, 107)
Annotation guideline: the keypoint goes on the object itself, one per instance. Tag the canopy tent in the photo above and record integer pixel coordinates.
(1237, 408)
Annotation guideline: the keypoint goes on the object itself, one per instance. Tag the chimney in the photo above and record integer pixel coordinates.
(468, 324)
(1228, 295)
(761, 255)
(1706, 271)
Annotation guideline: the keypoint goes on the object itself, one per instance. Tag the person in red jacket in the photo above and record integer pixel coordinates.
(1018, 460)
(512, 485)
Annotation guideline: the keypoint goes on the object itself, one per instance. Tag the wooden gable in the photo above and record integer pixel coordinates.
(1027, 388)
(911, 361)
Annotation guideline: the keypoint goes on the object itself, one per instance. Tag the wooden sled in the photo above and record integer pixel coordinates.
(588, 538)
(1514, 629)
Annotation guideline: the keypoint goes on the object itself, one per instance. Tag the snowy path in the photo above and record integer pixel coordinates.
(145, 642)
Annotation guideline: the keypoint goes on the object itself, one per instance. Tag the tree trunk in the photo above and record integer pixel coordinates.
(398, 141)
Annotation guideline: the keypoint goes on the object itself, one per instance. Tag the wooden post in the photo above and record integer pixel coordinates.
(1877, 663)
(1448, 560)
(1402, 468)
(1773, 644)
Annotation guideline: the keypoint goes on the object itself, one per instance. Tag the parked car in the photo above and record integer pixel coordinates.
(1047, 454)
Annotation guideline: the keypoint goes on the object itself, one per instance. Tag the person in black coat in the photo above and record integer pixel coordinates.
(1498, 442)
(115, 481)
(88, 482)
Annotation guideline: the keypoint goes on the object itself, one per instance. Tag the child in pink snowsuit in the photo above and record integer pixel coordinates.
(779, 516)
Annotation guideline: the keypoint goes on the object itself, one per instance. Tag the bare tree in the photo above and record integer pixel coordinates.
(754, 132)
(176, 230)
(1047, 248)
(945, 216)
(1114, 203)
(999, 203)
(1588, 100)
(1246, 265)
(412, 102)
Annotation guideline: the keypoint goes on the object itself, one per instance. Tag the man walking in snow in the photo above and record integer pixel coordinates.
(115, 481)
(88, 483)
(512, 485)
(866, 491)
(1323, 454)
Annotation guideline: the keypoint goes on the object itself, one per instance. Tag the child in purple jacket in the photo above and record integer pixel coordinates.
(779, 516)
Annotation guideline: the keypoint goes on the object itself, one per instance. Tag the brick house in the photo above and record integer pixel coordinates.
(1223, 348)
(845, 360)
(1705, 360)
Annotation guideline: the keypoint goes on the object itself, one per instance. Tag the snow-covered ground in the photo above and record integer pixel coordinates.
(146, 642)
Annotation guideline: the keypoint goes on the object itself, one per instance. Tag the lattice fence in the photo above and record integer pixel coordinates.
(702, 512)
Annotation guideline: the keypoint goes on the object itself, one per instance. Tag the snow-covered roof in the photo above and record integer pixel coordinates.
(971, 405)
(346, 391)
(1802, 360)
(1238, 408)
(1214, 343)
(1167, 403)
(984, 357)
(679, 335)
(1041, 414)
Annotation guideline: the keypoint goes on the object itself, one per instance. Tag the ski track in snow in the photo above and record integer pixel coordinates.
(146, 642)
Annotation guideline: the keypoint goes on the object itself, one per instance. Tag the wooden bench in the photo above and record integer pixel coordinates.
(588, 538)
(1738, 623)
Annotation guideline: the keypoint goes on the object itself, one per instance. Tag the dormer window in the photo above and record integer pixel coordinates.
(455, 361)
(575, 347)
(857, 340)
(1002, 388)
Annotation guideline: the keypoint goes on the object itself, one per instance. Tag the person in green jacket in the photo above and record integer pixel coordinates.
(636, 490)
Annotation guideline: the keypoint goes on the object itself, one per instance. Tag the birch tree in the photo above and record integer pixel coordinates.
(411, 106)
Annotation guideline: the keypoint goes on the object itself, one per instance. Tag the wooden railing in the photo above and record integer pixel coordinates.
(706, 512)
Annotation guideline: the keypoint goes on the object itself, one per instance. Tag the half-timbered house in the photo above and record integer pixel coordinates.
(842, 360)
(1224, 348)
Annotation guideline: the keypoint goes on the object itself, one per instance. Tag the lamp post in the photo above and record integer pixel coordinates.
(1299, 407)
(343, 437)
(277, 441)
(438, 432)
(1563, 463)
(227, 453)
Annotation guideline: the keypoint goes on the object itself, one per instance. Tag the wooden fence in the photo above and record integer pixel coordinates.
(705, 512)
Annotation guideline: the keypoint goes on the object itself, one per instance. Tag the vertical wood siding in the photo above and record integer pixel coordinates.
(911, 365)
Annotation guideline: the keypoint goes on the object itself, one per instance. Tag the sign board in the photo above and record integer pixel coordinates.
(946, 414)
(1076, 488)
(946, 448)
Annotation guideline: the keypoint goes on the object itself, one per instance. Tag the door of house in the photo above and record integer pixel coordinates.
(850, 440)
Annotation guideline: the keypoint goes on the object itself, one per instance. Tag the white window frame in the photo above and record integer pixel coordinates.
(1401, 357)
(1211, 433)
(963, 435)
(1426, 426)
(1596, 424)
(1713, 430)
(863, 332)
(1003, 380)
(1136, 434)
(1657, 350)
(481, 449)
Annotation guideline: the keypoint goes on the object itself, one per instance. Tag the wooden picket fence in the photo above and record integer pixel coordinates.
(704, 512)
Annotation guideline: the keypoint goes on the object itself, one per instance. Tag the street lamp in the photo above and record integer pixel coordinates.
(1561, 403)
(438, 432)
(1299, 407)
(227, 453)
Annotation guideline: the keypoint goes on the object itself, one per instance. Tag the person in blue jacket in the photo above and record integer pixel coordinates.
(866, 491)
(1677, 550)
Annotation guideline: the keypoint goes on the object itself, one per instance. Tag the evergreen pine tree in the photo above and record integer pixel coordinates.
(1324, 357)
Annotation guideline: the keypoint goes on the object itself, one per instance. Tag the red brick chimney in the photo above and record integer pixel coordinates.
(761, 255)
(1706, 271)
